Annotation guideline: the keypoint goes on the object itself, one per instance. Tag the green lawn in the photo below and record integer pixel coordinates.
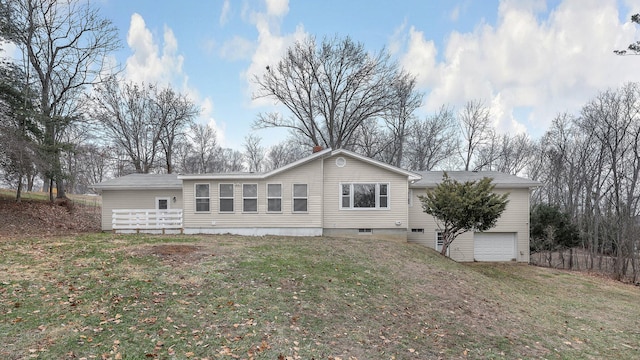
(105, 296)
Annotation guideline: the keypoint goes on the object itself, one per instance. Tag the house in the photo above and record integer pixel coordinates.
(329, 193)
(507, 241)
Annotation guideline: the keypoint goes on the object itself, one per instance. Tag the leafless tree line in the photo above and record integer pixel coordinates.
(589, 164)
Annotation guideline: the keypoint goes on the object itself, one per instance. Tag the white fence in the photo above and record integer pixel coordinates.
(146, 219)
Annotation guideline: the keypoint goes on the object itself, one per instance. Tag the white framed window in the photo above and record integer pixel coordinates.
(364, 196)
(439, 240)
(274, 197)
(226, 197)
(300, 198)
(202, 197)
(249, 197)
(162, 203)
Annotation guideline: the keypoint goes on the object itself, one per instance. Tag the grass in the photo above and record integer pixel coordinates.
(88, 200)
(133, 297)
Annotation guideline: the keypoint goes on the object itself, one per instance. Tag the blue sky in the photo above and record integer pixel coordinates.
(527, 59)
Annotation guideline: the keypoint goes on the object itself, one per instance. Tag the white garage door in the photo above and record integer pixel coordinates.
(494, 246)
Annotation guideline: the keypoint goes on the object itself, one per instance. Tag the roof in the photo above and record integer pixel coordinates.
(320, 154)
(140, 182)
(410, 174)
(500, 180)
(253, 175)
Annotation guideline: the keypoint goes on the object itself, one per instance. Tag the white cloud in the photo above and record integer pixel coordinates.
(9, 50)
(206, 115)
(455, 13)
(277, 8)
(237, 48)
(530, 61)
(271, 44)
(150, 65)
(147, 63)
(224, 13)
(420, 58)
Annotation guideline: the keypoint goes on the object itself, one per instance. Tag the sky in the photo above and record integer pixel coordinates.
(528, 60)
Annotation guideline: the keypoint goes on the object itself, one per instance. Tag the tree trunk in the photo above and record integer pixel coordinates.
(19, 190)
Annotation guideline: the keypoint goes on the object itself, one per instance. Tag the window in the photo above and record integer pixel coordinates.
(250, 197)
(202, 197)
(300, 198)
(162, 203)
(417, 231)
(364, 196)
(439, 240)
(226, 197)
(274, 197)
(365, 231)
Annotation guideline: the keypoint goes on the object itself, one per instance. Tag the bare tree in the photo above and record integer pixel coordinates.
(254, 152)
(330, 89)
(399, 114)
(125, 113)
(475, 125)
(634, 47)
(431, 141)
(590, 166)
(504, 153)
(66, 43)
(204, 149)
(371, 140)
(284, 153)
(174, 113)
(232, 160)
(146, 122)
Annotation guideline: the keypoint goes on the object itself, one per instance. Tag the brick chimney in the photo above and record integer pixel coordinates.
(317, 148)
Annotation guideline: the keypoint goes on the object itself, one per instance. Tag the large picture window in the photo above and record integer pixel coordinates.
(226, 197)
(300, 198)
(364, 196)
(274, 197)
(250, 197)
(202, 197)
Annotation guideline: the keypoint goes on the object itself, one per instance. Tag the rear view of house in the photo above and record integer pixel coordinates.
(329, 193)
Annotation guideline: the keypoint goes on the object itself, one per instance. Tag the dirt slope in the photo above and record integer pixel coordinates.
(40, 218)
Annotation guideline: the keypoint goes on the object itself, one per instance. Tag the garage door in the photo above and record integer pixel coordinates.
(494, 246)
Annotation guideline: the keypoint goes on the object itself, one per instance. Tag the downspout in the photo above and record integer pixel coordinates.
(322, 196)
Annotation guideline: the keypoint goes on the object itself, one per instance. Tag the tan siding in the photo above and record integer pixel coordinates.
(310, 174)
(356, 171)
(134, 199)
(514, 219)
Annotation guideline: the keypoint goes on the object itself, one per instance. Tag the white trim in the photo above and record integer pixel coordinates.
(232, 198)
(256, 176)
(250, 198)
(195, 198)
(273, 197)
(158, 198)
(319, 155)
(294, 198)
(411, 175)
(377, 195)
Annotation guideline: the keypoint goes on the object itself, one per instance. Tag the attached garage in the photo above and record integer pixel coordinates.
(494, 246)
